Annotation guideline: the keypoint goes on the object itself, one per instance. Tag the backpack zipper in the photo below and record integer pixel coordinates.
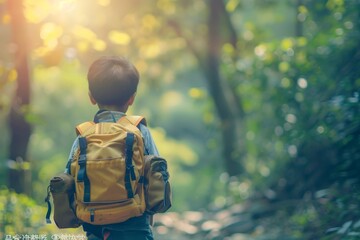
(92, 214)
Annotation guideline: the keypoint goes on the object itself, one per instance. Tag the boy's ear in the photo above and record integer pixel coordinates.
(131, 99)
(92, 100)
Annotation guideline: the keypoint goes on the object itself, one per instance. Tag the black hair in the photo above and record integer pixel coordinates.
(112, 80)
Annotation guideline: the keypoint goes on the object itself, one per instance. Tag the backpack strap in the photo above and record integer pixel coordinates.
(129, 173)
(81, 128)
(82, 173)
(134, 120)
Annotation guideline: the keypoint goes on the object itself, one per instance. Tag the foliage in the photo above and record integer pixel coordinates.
(307, 87)
(21, 215)
(312, 110)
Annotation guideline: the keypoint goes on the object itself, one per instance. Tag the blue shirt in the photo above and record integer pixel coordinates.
(136, 223)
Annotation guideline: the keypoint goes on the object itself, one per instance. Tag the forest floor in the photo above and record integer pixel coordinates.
(252, 220)
(239, 222)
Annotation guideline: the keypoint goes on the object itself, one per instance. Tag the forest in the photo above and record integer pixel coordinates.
(254, 104)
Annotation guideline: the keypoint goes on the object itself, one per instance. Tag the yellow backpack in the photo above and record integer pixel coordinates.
(111, 180)
(108, 170)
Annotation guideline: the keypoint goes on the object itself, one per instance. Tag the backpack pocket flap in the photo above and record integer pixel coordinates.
(107, 213)
(62, 182)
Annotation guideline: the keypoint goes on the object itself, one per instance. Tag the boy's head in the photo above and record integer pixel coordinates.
(112, 81)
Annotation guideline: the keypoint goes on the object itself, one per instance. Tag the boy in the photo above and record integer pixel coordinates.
(113, 83)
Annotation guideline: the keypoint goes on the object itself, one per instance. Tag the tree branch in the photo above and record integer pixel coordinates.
(176, 27)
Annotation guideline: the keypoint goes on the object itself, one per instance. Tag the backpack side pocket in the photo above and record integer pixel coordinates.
(157, 185)
(62, 188)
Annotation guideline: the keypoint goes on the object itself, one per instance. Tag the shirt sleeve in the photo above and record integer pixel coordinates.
(71, 155)
(150, 147)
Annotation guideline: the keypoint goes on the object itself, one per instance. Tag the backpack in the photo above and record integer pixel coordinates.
(108, 169)
(111, 180)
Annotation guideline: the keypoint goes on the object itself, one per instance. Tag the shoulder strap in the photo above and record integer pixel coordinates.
(134, 120)
(81, 128)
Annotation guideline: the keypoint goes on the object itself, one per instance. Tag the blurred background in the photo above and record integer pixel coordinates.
(254, 103)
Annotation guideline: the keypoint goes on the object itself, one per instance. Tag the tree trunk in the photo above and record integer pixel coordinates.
(20, 129)
(224, 100)
(227, 103)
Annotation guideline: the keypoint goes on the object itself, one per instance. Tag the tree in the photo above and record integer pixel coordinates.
(20, 129)
(227, 103)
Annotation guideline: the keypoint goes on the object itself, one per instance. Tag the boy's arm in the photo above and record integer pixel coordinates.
(150, 147)
(71, 155)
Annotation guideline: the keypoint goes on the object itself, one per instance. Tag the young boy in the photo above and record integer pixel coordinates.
(113, 83)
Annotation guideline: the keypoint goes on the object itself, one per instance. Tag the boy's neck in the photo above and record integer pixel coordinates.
(113, 108)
